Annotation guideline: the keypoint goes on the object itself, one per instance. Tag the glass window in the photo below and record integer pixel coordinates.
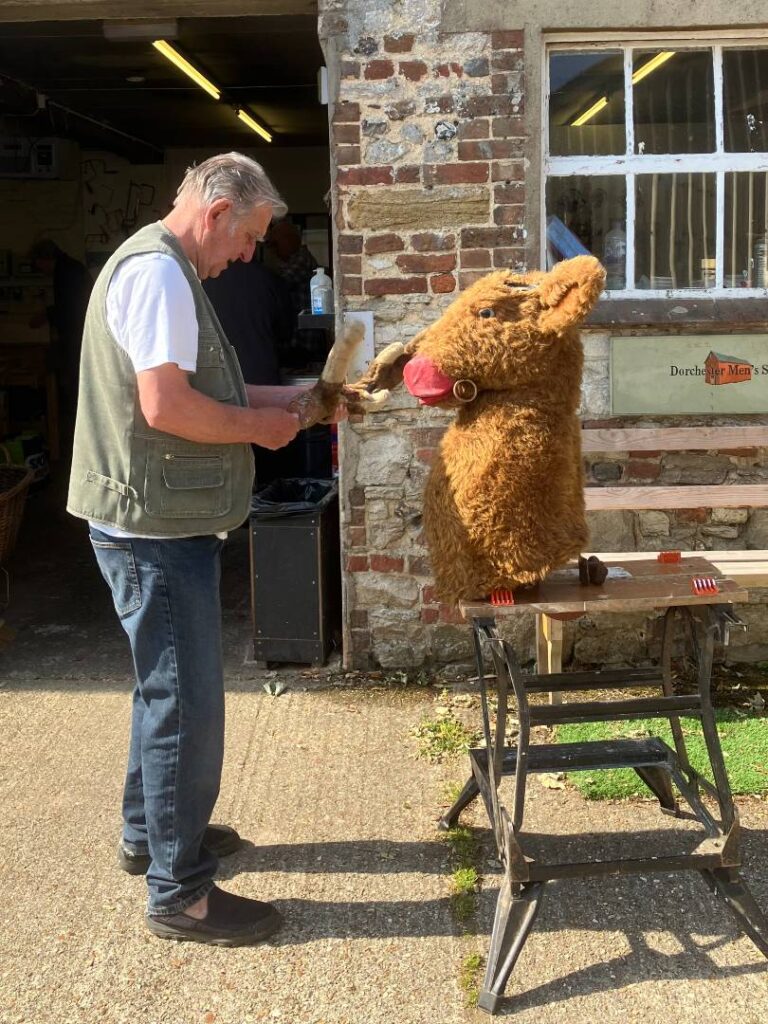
(586, 105)
(675, 231)
(674, 108)
(586, 214)
(746, 230)
(745, 100)
(656, 162)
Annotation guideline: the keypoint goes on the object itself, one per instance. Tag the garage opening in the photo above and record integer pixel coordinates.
(98, 122)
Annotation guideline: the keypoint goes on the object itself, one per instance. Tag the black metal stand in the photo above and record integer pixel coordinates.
(658, 765)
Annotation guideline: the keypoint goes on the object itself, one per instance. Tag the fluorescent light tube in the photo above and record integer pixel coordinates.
(638, 76)
(183, 64)
(652, 64)
(253, 124)
(594, 109)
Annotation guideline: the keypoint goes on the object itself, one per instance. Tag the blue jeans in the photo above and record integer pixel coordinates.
(166, 595)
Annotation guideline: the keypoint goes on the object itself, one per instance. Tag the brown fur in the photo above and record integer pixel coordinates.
(503, 504)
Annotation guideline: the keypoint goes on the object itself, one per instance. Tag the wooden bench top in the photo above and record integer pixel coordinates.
(748, 568)
(634, 584)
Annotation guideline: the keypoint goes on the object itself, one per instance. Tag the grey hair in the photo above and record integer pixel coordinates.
(235, 177)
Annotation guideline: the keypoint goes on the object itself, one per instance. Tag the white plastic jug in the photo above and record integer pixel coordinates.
(321, 292)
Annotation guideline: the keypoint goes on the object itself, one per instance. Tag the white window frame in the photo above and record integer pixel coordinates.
(630, 164)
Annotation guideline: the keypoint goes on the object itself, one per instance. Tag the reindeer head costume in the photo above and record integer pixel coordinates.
(503, 504)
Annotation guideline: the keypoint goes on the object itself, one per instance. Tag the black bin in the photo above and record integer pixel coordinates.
(295, 571)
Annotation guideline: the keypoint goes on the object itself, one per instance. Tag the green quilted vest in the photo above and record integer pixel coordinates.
(126, 474)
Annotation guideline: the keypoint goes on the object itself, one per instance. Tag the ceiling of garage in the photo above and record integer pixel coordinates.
(267, 64)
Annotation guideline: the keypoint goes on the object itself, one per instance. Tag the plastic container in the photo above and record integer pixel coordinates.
(321, 292)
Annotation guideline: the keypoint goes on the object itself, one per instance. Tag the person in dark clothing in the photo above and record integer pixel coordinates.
(254, 307)
(71, 290)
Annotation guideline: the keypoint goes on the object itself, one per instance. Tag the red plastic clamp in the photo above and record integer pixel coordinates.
(669, 556)
(704, 585)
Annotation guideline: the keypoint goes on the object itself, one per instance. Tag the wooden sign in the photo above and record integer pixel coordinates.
(712, 373)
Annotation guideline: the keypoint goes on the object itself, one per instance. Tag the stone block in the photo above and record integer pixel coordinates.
(653, 523)
(730, 515)
(693, 468)
(611, 640)
(374, 590)
(757, 529)
(611, 531)
(415, 209)
(382, 459)
(448, 643)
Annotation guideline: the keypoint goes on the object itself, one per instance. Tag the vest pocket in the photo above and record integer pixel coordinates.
(184, 486)
(212, 376)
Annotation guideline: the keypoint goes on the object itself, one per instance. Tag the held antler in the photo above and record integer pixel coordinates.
(318, 403)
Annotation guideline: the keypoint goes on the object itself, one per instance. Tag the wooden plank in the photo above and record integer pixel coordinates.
(549, 649)
(714, 496)
(642, 563)
(673, 439)
(633, 593)
(749, 568)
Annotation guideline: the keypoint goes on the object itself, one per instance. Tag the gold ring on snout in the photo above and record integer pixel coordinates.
(465, 390)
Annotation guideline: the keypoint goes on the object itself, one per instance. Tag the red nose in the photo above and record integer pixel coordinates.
(426, 382)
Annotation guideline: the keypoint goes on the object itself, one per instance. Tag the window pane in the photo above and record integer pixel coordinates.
(675, 230)
(586, 104)
(673, 101)
(745, 100)
(588, 214)
(746, 230)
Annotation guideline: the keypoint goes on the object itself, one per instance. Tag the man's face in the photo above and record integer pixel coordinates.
(227, 237)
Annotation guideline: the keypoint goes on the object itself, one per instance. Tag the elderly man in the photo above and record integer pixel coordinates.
(162, 469)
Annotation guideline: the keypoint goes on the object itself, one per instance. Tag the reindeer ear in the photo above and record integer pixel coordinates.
(568, 293)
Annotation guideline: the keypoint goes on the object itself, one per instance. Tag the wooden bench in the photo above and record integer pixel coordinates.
(749, 568)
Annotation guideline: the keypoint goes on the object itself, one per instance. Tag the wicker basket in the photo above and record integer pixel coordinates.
(14, 484)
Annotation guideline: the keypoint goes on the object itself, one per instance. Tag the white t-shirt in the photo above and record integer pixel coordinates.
(151, 313)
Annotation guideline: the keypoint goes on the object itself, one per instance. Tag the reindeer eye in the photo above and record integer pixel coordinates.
(487, 312)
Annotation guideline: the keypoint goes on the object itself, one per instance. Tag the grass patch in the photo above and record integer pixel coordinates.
(452, 792)
(469, 977)
(465, 878)
(443, 737)
(744, 739)
(465, 882)
(463, 844)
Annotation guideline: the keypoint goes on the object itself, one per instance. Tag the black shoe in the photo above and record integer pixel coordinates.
(219, 839)
(231, 921)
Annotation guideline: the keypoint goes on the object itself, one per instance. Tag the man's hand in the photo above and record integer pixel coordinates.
(338, 415)
(276, 427)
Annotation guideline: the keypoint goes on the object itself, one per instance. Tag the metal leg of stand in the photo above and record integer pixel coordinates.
(469, 793)
(730, 887)
(516, 911)
(707, 626)
(660, 784)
